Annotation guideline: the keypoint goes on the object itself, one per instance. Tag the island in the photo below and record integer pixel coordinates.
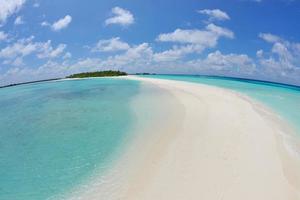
(145, 73)
(24, 83)
(98, 74)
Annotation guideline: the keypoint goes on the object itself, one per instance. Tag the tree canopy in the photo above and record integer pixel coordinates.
(98, 74)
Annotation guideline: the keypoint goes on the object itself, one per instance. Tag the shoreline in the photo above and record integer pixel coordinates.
(117, 181)
(214, 144)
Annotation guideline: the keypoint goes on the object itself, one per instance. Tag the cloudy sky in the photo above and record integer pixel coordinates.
(42, 39)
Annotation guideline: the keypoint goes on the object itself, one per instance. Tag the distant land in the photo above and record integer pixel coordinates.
(24, 83)
(79, 75)
(98, 74)
(119, 73)
(145, 73)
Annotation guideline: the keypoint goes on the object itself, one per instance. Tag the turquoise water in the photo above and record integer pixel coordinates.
(54, 135)
(283, 99)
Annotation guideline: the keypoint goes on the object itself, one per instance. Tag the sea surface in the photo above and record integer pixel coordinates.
(54, 135)
(282, 99)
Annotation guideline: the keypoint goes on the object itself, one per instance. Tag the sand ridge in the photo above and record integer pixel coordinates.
(224, 150)
(200, 142)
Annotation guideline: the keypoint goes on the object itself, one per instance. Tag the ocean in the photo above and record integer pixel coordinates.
(54, 135)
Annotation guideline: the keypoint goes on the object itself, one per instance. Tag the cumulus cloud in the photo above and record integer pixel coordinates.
(110, 45)
(206, 37)
(215, 14)
(259, 53)
(47, 51)
(3, 36)
(230, 63)
(14, 53)
(136, 55)
(126, 57)
(22, 47)
(67, 56)
(120, 16)
(191, 41)
(19, 20)
(142, 58)
(282, 62)
(23, 74)
(8, 8)
(177, 52)
(61, 23)
(268, 37)
(45, 23)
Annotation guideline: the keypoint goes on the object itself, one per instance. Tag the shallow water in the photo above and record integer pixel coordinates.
(283, 99)
(53, 135)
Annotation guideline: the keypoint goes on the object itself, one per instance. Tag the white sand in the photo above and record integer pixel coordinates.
(206, 143)
(227, 147)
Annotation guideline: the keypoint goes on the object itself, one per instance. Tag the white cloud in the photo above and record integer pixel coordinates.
(120, 16)
(215, 14)
(207, 37)
(14, 53)
(260, 53)
(45, 23)
(282, 51)
(3, 36)
(67, 56)
(280, 63)
(142, 58)
(61, 23)
(138, 57)
(47, 51)
(9, 7)
(36, 5)
(135, 55)
(220, 31)
(269, 37)
(82, 64)
(22, 47)
(283, 61)
(23, 74)
(232, 63)
(17, 62)
(19, 20)
(191, 40)
(110, 45)
(177, 52)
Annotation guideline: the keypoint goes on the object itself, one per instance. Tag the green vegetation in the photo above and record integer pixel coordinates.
(98, 74)
(145, 73)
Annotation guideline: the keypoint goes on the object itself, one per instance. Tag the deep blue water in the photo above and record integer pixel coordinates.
(54, 135)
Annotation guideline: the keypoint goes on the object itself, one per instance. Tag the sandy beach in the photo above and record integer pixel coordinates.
(207, 143)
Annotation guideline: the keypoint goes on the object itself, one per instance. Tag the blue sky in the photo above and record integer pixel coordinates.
(244, 38)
